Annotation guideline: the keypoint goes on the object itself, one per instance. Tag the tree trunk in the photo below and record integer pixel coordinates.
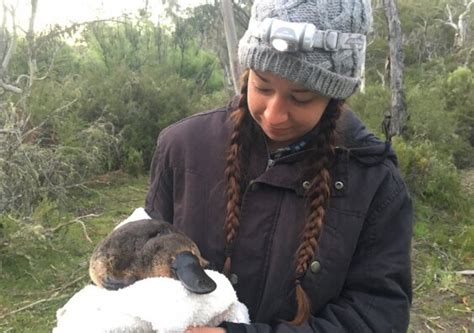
(395, 119)
(231, 39)
(463, 24)
(7, 49)
(461, 27)
(30, 38)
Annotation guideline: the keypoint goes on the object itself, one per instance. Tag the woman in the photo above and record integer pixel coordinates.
(284, 190)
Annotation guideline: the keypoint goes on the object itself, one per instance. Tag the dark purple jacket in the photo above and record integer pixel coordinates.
(360, 279)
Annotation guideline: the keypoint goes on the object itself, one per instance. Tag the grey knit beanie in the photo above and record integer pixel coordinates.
(334, 72)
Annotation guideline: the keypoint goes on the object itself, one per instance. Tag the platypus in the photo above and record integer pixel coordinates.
(149, 248)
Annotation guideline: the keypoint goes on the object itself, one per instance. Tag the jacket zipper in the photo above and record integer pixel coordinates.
(270, 163)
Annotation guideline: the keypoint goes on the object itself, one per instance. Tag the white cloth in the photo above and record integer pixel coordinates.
(151, 305)
(156, 304)
(137, 215)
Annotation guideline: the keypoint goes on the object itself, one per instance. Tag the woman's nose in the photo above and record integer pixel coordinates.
(276, 112)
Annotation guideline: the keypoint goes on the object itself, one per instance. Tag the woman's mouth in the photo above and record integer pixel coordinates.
(277, 131)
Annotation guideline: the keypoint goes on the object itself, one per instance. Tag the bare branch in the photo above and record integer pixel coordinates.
(41, 125)
(30, 37)
(53, 297)
(62, 225)
(450, 21)
(11, 46)
(468, 8)
(85, 231)
(4, 17)
(469, 272)
(231, 39)
(448, 11)
(50, 66)
(382, 78)
(461, 26)
(34, 7)
(9, 87)
(22, 76)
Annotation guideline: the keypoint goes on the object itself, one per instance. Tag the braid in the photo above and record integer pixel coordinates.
(233, 173)
(318, 197)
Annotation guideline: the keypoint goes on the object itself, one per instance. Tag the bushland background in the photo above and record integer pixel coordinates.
(81, 107)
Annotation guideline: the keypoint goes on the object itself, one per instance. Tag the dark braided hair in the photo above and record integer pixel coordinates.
(317, 195)
(233, 173)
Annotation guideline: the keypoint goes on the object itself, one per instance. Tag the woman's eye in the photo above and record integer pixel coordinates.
(263, 90)
(300, 101)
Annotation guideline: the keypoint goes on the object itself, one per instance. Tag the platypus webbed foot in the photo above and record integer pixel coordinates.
(188, 270)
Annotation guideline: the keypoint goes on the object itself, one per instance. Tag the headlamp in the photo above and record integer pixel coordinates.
(280, 44)
(295, 36)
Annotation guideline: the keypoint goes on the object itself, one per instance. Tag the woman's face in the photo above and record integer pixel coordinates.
(284, 110)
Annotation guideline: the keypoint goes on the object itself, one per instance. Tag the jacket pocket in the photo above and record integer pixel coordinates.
(326, 274)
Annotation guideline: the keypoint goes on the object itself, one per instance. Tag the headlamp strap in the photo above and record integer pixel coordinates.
(331, 40)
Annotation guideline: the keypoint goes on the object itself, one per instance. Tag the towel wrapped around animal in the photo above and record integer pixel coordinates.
(158, 304)
(154, 304)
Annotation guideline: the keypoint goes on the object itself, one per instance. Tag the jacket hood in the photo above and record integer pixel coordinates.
(361, 144)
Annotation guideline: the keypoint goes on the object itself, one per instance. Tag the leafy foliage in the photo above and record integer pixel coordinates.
(429, 175)
(32, 171)
(100, 105)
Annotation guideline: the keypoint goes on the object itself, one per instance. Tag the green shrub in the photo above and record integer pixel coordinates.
(430, 176)
(31, 171)
(371, 106)
(21, 237)
(133, 162)
(430, 121)
(459, 94)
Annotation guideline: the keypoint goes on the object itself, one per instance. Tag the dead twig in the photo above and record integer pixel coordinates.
(53, 291)
(429, 327)
(26, 307)
(73, 221)
(419, 286)
(67, 285)
(85, 230)
(77, 220)
(136, 189)
(32, 276)
(462, 310)
(53, 297)
(432, 320)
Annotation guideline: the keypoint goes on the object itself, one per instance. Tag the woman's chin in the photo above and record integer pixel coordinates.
(277, 142)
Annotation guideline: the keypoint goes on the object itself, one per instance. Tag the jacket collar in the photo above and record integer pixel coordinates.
(354, 142)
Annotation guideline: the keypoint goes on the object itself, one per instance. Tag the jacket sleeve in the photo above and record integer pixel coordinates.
(159, 200)
(377, 292)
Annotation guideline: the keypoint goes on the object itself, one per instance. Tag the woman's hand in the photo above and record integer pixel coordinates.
(205, 330)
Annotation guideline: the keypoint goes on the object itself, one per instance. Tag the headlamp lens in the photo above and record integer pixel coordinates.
(280, 44)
